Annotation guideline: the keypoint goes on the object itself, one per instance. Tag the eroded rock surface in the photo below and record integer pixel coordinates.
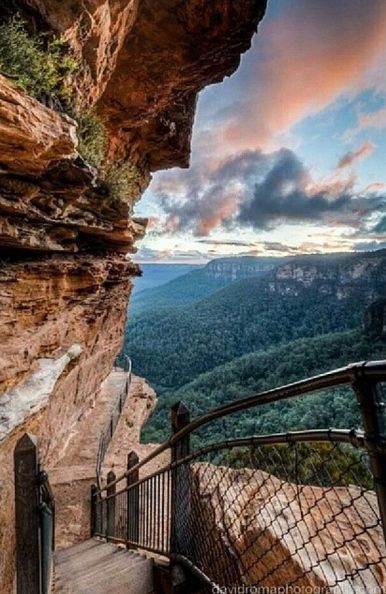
(32, 137)
(143, 64)
(255, 529)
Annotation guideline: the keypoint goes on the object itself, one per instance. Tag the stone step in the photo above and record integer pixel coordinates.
(96, 567)
(110, 565)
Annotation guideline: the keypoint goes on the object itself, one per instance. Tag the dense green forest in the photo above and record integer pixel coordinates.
(172, 346)
(194, 283)
(257, 372)
(238, 327)
(187, 288)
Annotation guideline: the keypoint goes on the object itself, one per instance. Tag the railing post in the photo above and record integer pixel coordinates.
(27, 522)
(93, 509)
(111, 489)
(132, 501)
(180, 491)
(372, 411)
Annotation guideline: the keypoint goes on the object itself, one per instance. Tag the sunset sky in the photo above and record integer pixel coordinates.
(288, 154)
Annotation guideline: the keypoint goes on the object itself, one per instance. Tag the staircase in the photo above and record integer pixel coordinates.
(98, 567)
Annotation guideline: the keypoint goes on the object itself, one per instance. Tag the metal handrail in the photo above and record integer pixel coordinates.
(373, 370)
(109, 428)
(349, 436)
(157, 510)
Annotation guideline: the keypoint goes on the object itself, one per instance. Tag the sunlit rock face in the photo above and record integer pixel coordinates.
(50, 199)
(347, 276)
(144, 63)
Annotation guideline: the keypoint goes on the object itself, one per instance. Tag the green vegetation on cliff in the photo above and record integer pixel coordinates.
(41, 65)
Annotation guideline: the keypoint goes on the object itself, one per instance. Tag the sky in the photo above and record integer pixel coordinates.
(288, 154)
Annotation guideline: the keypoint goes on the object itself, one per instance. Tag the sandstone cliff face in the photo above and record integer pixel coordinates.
(349, 274)
(64, 276)
(143, 64)
(50, 199)
(232, 269)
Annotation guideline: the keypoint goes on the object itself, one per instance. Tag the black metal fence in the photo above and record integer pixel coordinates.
(34, 520)
(305, 509)
(123, 363)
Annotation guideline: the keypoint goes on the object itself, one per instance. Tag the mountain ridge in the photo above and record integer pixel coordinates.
(172, 345)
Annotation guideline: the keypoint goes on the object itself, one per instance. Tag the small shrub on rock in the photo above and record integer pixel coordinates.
(42, 66)
(123, 181)
(92, 137)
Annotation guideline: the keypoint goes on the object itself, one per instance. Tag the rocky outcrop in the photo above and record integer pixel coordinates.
(232, 269)
(144, 65)
(340, 275)
(50, 200)
(255, 529)
(32, 137)
(48, 306)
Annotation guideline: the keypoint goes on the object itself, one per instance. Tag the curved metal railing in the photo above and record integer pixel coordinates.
(293, 491)
(123, 363)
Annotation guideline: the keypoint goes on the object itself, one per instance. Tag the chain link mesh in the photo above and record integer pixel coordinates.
(296, 515)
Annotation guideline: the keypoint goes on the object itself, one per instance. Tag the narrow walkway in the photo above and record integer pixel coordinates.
(96, 567)
(74, 474)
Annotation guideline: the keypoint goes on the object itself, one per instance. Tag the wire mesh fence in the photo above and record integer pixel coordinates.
(303, 515)
(304, 511)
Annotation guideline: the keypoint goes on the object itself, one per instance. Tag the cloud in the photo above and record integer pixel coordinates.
(366, 149)
(308, 247)
(380, 227)
(369, 246)
(225, 242)
(375, 187)
(304, 58)
(366, 121)
(147, 255)
(283, 196)
(374, 119)
(259, 190)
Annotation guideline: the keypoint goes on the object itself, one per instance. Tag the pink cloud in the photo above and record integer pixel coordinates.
(310, 55)
(376, 119)
(366, 149)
